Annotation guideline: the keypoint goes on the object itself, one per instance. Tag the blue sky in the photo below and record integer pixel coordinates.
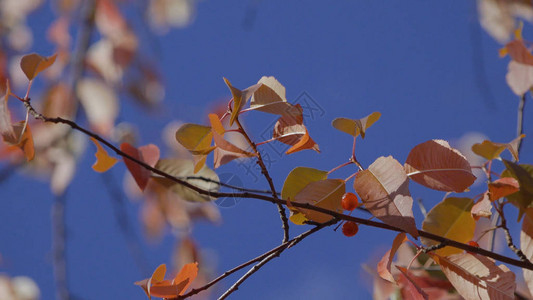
(419, 64)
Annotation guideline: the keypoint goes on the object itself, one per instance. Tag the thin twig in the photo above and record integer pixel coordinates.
(279, 249)
(121, 215)
(59, 248)
(273, 255)
(508, 237)
(248, 195)
(264, 171)
(520, 121)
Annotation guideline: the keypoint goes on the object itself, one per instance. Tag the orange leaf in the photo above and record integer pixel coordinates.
(103, 162)
(438, 166)
(185, 277)
(384, 190)
(239, 98)
(384, 265)
(477, 277)
(518, 52)
(216, 125)
(503, 187)
(33, 64)
(148, 154)
(157, 276)
(482, 208)
(306, 142)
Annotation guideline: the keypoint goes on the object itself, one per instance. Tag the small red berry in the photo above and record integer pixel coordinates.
(349, 201)
(350, 229)
(473, 244)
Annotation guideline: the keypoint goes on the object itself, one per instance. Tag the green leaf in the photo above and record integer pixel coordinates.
(356, 127)
(183, 168)
(451, 218)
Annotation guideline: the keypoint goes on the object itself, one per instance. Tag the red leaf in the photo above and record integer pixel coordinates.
(384, 265)
(410, 289)
(148, 154)
(438, 166)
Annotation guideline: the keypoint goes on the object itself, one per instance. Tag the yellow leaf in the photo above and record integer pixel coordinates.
(239, 98)
(451, 219)
(356, 127)
(325, 194)
(195, 138)
(103, 162)
(33, 64)
(299, 178)
(490, 150)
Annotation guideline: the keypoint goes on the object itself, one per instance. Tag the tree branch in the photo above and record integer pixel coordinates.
(520, 121)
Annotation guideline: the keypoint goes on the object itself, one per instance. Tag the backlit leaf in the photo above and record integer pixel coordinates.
(239, 98)
(384, 265)
(326, 194)
(103, 162)
(195, 138)
(185, 277)
(270, 98)
(477, 277)
(297, 179)
(438, 166)
(356, 127)
(503, 187)
(290, 130)
(157, 276)
(451, 218)
(490, 150)
(526, 245)
(306, 142)
(33, 64)
(523, 173)
(482, 208)
(410, 289)
(148, 154)
(519, 77)
(183, 168)
(384, 190)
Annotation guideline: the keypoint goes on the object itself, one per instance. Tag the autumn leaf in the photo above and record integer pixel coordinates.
(519, 77)
(33, 64)
(157, 286)
(451, 219)
(482, 208)
(6, 129)
(103, 162)
(326, 194)
(270, 98)
(490, 150)
(195, 138)
(100, 103)
(526, 245)
(299, 178)
(410, 289)
(384, 190)
(157, 276)
(384, 265)
(503, 187)
(438, 166)
(524, 175)
(183, 169)
(225, 151)
(239, 98)
(148, 154)
(477, 277)
(356, 127)
(290, 130)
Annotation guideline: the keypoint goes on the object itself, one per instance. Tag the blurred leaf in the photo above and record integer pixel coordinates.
(103, 162)
(438, 166)
(451, 219)
(6, 129)
(356, 127)
(498, 16)
(518, 52)
(519, 77)
(33, 64)
(477, 277)
(503, 187)
(384, 265)
(410, 289)
(490, 150)
(384, 190)
(482, 208)
(148, 154)
(526, 245)
(183, 168)
(100, 103)
(524, 174)
(326, 194)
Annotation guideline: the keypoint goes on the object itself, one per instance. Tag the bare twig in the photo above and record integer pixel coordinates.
(264, 171)
(279, 249)
(520, 121)
(273, 255)
(59, 248)
(508, 237)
